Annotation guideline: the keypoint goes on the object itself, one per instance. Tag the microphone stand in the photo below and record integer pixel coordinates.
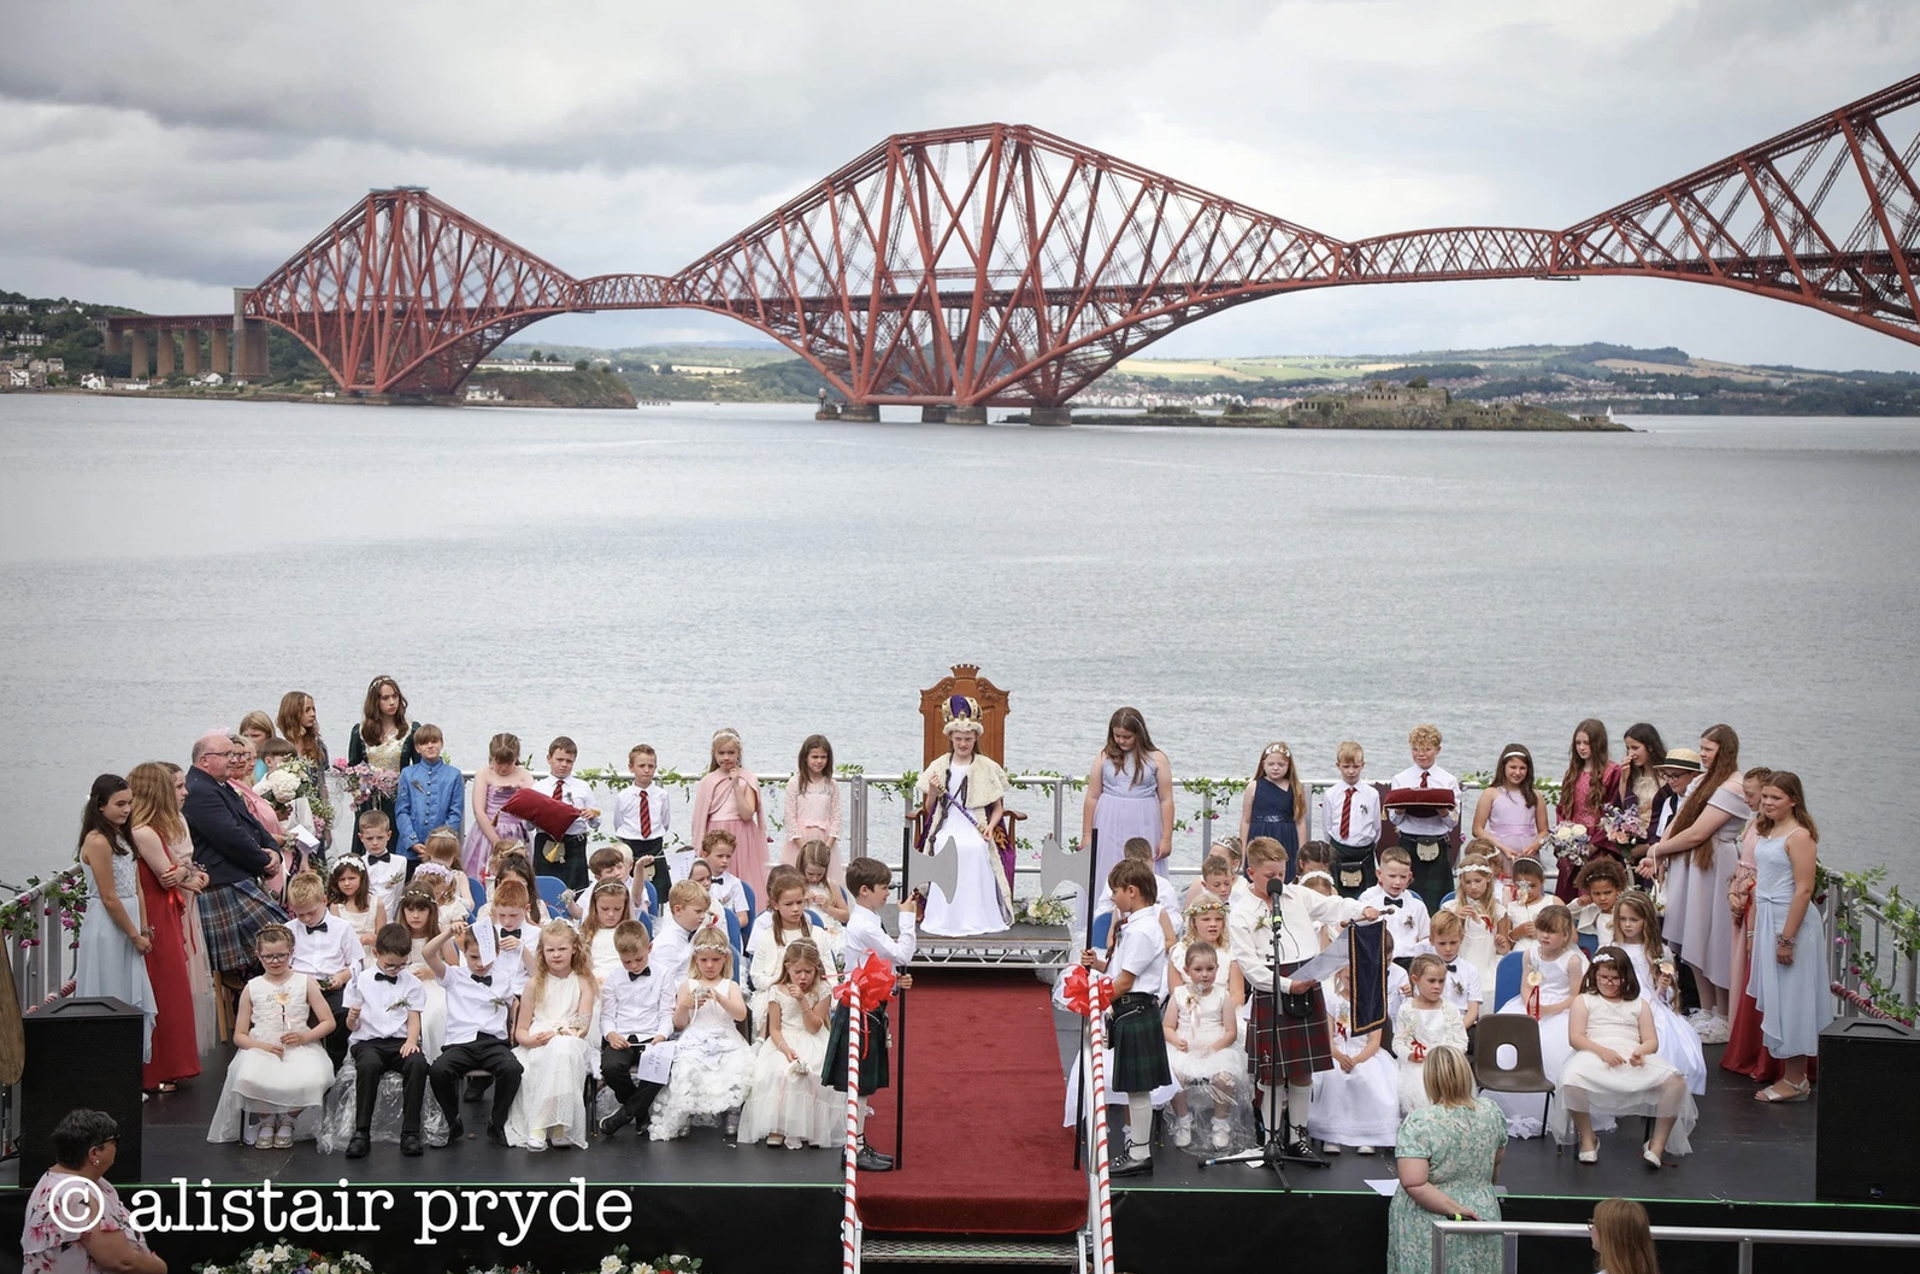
(1273, 1152)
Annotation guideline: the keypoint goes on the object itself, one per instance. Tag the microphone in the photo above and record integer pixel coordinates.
(1276, 887)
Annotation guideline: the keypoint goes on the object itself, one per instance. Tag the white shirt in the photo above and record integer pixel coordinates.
(867, 936)
(513, 964)
(1588, 918)
(672, 957)
(630, 1005)
(727, 890)
(383, 1005)
(1463, 981)
(1302, 912)
(1142, 951)
(1426, 826)
(1363, 827)
(574, 793)
(1405, 918)
(321, 955)
(386, 878)
(765, 956)
(476, 1008)
(626, 812)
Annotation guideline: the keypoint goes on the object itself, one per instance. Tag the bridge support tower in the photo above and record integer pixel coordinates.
(1050, 416)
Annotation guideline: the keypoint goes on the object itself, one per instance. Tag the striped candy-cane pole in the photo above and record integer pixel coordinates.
(1102, 1183)
(850, 1223)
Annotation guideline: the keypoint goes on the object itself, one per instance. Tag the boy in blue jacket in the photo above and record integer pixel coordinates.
(431, 795)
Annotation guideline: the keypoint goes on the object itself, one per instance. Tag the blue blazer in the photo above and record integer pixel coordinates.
(430, 796)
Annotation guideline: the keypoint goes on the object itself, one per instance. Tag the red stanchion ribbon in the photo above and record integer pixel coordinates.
(867, 987)
(1075, 990)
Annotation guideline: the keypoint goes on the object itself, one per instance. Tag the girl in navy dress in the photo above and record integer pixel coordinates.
(1276, 804)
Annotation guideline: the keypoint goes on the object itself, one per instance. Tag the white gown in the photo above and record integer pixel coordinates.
(1476, 943)
(1524, 1109)
(1679, 1043)
(794, 1104)
(552, 1100)
(1430, 1028)
(260, 1083)
(1357, 1108)
(977, 905)
(1589, 1084)
(711, 1066)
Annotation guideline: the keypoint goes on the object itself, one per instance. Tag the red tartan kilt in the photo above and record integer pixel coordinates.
(1303, 1042)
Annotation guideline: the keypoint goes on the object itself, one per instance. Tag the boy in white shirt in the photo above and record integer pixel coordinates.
(479, 993)
(870, 881)
(386, 872)
(1407, 918)
(631, 1020)
(716, 850)
(326, 949)
(1427, 837)
(383, 1012)
(1350, 820)
(672, 953)
(566, 857)
(1463, 990)
(642, 817)
(1139, 967)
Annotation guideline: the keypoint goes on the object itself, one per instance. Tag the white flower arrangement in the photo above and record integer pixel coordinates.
(279, 785)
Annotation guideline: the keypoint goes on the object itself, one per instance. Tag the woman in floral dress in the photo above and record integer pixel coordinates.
(1449, 1156)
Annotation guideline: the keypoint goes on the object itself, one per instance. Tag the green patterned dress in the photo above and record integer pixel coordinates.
(1459, 1144)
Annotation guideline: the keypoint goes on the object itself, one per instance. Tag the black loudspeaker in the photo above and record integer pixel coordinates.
(81, 1053)
(1868, 1119)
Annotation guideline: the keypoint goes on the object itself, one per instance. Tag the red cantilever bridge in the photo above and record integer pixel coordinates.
(1000, 264)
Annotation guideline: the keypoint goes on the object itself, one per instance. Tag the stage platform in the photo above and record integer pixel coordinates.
(1752, 1167)
(1021, 947)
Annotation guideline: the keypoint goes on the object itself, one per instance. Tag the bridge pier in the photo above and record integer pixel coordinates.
(250, 349)
(163, 353)
(217, 350)
(1050, 416)
(933, 415)
(137, 348)
(190, 350)
(958, 415)
(868, 413)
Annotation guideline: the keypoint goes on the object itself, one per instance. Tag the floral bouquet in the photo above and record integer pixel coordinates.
(1048, 910)
(1622, 827)
(286, 783)
(1570, 843)
(367, 783)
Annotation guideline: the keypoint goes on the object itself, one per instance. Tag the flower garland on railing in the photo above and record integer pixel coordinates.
(1902, 924)
(65, 895)
(290, 1258)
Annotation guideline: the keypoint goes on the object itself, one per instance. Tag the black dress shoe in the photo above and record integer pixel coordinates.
(358, 1145)
(456, 1131)
(410, 1144)
(477, 1086)
(498, 1136)
(1301, 1150)
(1128, 1166)
(613, 1123)
(872, 1161)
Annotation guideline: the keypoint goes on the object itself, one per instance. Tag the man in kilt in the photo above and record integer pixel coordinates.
(1288, 1032)
(236, 852)
(870, 881)
(1139, 968)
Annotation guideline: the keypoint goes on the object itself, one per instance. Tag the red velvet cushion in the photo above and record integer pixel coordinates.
(550, 816)
(1418, 799)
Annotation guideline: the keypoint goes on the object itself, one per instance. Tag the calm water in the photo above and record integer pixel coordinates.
(166, 566)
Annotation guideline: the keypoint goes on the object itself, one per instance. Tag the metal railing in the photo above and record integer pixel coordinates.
(1880, 948)
(1511, 1232)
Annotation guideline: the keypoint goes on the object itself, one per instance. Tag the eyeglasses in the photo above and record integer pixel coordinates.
(276, 956)
(102, 1145)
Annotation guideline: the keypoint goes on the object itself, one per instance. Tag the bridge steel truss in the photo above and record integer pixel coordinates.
(1000, 264)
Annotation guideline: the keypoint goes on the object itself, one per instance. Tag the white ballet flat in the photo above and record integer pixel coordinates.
(1589, 1156)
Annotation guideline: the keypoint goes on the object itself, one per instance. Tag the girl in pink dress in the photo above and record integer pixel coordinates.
(1510, 813)
(492, 787)
(1591, 780)
(812, 806)
(729, 798)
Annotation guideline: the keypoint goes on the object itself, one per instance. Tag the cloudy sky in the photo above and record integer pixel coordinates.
(158, 154)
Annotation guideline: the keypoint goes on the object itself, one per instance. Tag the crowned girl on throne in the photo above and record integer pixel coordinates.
(960, 804)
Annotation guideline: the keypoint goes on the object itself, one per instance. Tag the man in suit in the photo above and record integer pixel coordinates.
(235, 852)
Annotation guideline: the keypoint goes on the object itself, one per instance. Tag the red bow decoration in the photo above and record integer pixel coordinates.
(869, 986)
(1418, 1053)
(1077, 990)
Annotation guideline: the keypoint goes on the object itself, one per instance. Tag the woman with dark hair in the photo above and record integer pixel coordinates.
(1590, 778)
(114, 935)
(299, 725)
(1639, 782)
(1129, 794)
(382, 738)
(1707, 832)
(76, 1223)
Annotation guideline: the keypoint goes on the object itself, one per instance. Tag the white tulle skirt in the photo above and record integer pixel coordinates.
(705, 1084)
(1359, 1107)
(258, 1083)
(552, 1102)
(788, 1098)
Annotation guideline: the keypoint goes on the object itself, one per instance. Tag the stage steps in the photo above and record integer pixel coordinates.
(954, 1252)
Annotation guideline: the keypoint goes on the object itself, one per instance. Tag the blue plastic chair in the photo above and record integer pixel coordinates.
(1449, 898)
(1102, 925)
(551, 887)
(815, 919)
(648, 922)
(733, 933)
(653, 896)
(753, 904)
(1589, 943)
(479, 892)
(1506, 979)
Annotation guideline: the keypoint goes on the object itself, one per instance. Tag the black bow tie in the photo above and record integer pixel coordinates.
(484, 979)
(387, 977)
(1392, 904)
(319, 928)
(1453, 968)
(635, 977)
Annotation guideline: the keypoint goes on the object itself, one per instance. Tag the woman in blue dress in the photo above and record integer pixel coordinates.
(1275, 804)
(111, 957)
(1788, 980)
(1129, 794)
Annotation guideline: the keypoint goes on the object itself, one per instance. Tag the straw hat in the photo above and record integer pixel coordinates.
(1682, 759)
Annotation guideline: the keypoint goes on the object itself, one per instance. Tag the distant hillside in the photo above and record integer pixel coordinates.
(549, 389)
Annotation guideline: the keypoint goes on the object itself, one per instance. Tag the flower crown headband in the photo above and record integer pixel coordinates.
(1305, 876)
(433, 869)
(1205, 906)
(1476, 868)
(356, 862)
(1603, 957)
(1272, 748)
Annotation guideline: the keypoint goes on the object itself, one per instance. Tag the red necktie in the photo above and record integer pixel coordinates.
(1423, 778)
(1346, 814)
(560, 786)
(646, 819)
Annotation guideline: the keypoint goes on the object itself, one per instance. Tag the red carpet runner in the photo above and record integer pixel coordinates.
(985, 1150)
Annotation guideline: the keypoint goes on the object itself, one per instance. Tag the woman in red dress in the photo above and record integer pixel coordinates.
(155, 823)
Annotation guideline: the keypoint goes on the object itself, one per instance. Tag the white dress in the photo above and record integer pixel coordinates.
(1524, 913)
(835, 934)
(765, 957)
(260, 1083)
(361, 921)
(711, 1065)
(1679, 1042)
(1360, 1107)
(1428, 1029)
(1211, 1061)
(552, 1099)
(781, 1099)
(1524, 1109)
(1654, 1088)
(1476, 943)
(977, 905)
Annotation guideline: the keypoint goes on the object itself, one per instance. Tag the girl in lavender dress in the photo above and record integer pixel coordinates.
(1129, 793)
(1510, 813)
(492, 787)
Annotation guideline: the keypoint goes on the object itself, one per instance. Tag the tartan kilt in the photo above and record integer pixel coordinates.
(873, 1052)
(1139, 1046)
(1303, 1042)
(232, 915)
